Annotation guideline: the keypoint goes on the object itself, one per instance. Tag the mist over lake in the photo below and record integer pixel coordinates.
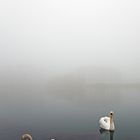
(65, 64)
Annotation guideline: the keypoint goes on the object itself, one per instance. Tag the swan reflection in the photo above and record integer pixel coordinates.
(105, 132)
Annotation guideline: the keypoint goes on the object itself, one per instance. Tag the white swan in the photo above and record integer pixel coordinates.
(107, 123)
(26, 137)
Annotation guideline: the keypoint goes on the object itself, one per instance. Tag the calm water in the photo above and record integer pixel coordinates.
(70, 111)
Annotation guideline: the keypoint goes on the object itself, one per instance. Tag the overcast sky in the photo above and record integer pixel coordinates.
(63, 35)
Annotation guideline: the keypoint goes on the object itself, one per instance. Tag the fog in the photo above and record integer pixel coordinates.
(63, 64)
(78, 43)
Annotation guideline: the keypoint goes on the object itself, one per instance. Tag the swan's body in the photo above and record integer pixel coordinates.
(26, 137)
(107, 123)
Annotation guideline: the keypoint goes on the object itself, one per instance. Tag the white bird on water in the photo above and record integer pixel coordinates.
(28, 137)
(107, 123)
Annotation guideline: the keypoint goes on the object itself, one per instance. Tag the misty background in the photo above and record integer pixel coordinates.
(44, 39)
(60, 56)
(86, 42)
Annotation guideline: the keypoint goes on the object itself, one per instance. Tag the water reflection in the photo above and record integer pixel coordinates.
(107, 133)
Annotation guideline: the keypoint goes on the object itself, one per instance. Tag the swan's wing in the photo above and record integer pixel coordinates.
(105, 123)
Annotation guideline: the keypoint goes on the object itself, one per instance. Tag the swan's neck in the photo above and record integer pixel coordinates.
(111, 122)
(111, 119)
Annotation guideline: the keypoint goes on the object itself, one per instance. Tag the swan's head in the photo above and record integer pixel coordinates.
(26, 137)
(111, 113)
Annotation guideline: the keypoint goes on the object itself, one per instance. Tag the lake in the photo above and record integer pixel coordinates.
(69, 111)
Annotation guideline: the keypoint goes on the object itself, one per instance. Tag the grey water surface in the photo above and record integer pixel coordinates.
(68, 107)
